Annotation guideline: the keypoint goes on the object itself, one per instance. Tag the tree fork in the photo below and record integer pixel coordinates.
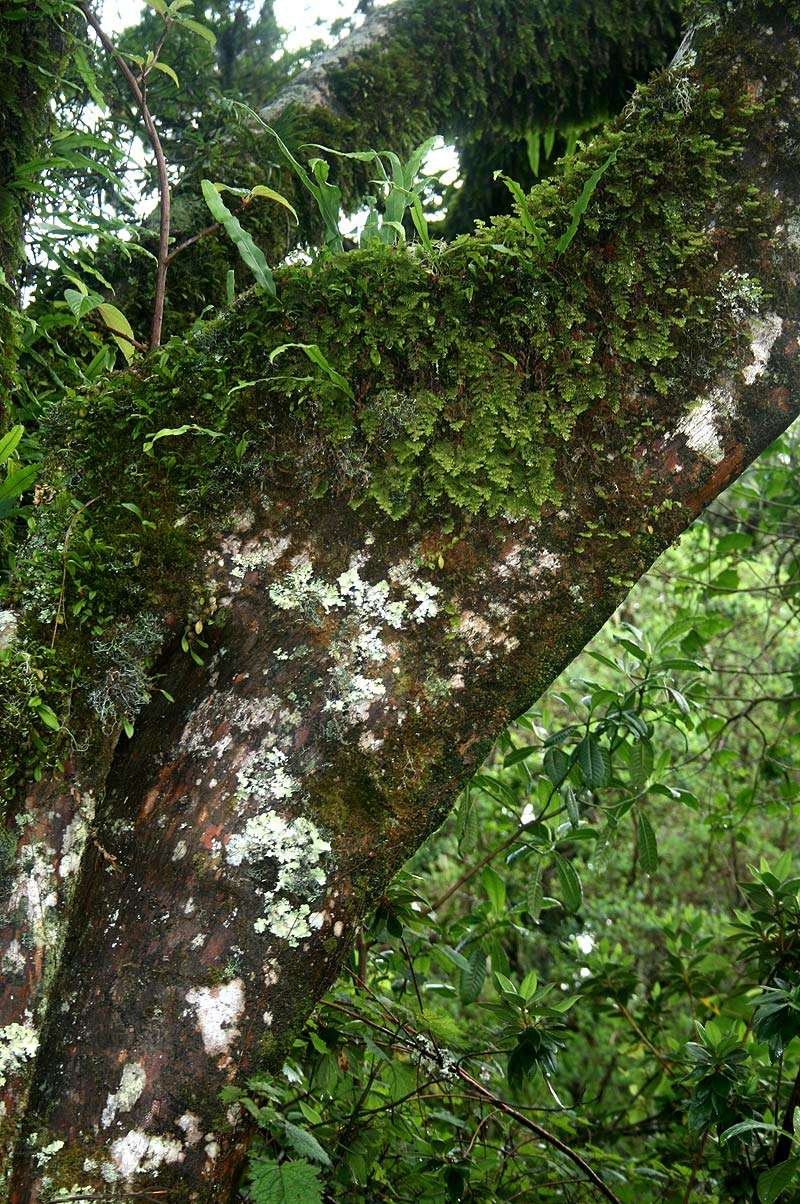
(367, 662)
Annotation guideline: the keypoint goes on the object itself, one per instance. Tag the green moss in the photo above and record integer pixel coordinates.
(467, 372)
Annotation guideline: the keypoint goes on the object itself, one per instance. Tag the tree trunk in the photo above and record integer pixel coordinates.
(406, 558)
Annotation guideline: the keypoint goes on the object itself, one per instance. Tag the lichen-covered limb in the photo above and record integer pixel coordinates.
(517, 436)
(418, 68)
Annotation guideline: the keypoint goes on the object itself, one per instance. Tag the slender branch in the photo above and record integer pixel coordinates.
(783, 1147)
(139, 93)
(544, 1134)
(187, 242)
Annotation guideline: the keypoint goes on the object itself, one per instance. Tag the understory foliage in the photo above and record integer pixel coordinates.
(601, 947)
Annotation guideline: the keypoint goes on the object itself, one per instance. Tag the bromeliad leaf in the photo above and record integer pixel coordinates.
(252, 255)
(172, 432)
(313, 352)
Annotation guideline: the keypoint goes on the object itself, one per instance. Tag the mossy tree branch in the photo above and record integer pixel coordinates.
(398, 563)
(414, 69)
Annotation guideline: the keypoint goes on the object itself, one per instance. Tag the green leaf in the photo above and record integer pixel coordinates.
(594, 761)
(316, 356)
(571, 889)
(641, 762)
(9, 441)
(571, 803)
(535, 898)
(81, 303)
(202, 31)
(251, 254)
(116, 321)
(18, 481)
(579, 208)
(472, 980)
(86, 72)
(270, 1182)
(646, 843)
(270, 194)
(48, 716)
(519, 754)
(171, 432)
(305, 1143)
(748, 1126)
(772, 1183)
(495, 888)
(166, 70)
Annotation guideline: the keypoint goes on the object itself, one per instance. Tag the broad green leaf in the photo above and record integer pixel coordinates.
(82, 303)
(773, 1183)
(571, 889)
(646, 843)
(305, 1143)
(18, 481)
(473, 978)
(271, 1182)
(641, 762)
(556, 764)
(118, 325)
(748, 1126)
(594, 761)
(270, 194)
(171, 432)
(9, 442)
(495, 888)
(202, 31)
(165, 69)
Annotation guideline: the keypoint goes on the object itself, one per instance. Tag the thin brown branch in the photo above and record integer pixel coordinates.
(139, 93)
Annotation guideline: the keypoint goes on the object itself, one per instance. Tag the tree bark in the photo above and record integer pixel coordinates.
(366, 662)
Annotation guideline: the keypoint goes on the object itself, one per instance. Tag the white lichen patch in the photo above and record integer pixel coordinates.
(13, 960)
(131, 1086)
(764, 331)
(8, 628)
(249, 556)
(190, 1124)
(298, 851)
(140, 1153)
(699, 425)
(75, 837)
(34, 893)
(217, 1011)
(43, 1156)
(264, 776)
(369, 612)
(18, 1044)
